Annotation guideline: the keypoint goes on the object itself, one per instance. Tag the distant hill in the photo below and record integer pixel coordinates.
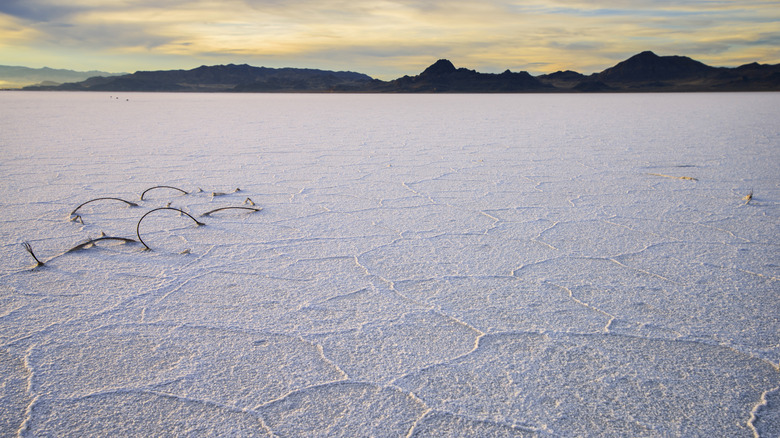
(644, 72)
(647, 66)
(647, 71)
(231, 77)
(562, 79)
(18, 77)
(443, 77)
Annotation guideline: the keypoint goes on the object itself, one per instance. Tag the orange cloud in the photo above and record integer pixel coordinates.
(386, 37)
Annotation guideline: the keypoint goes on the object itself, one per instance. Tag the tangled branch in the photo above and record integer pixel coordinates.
(252, 209)
(161, 187)
(93, 241)
(29, 249)
(132, 204)
(138, 226)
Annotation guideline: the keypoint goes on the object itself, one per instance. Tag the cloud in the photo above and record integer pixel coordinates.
(391, 34)
(35, 10)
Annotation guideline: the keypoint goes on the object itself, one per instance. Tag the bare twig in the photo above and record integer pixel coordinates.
(249, 201)
(223, 194)
(252, 209)
(689, 178)
(93, 241)
(747, 198)
(161, 187)
(29, 249)
(138, 226)
(132, 204)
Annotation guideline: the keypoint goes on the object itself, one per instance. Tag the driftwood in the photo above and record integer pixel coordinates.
(689, 178)
(29, 249)
(213, 194)
(252, 209)
(161, 187)
(747, 198)
(138, 226)
(132, 204)
(93, 241)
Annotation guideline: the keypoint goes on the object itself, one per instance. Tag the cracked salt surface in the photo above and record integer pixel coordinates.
(439, 265)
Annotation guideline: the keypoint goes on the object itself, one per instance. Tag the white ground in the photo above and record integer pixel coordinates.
(435, 265)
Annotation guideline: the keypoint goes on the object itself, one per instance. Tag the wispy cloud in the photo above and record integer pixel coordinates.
(385, 38)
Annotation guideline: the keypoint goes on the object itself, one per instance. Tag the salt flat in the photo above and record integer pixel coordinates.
(423, 265)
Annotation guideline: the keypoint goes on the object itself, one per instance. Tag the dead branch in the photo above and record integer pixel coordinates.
(161, 187)
(138, 226)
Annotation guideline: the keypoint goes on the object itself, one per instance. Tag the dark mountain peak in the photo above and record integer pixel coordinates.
(565, 75)
(563, 79)
(749, 66)
(754, 66)
(646, 55)
(443, 77)
(647, 66)
(439, 68)
(228, 68)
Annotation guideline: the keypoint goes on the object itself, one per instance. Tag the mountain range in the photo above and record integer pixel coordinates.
(644, 72)
(17, 77)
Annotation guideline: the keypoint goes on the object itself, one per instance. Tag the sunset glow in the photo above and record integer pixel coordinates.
(382, 38)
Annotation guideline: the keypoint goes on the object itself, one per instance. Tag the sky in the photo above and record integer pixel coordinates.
(385, 39)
